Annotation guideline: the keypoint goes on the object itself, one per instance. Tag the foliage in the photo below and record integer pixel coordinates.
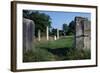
(53, 32)
(41, 20)
(78, 54)
(71, 29)
(65, 28)
(38, 54)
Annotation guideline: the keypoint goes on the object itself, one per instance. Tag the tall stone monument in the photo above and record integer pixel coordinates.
(82, 33)
(28, 34)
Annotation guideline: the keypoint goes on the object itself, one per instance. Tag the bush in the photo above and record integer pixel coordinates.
(38, 54)
(76, 54)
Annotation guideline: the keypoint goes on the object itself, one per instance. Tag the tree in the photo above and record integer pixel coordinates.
(41, 20)
(54, 32)
(61, 32)
(26, 14)
(65, 29)
(71, 29)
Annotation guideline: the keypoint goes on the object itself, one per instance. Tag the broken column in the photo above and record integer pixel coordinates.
(28, 34)
(57, 33)
(82, 33)
(79, 39)
(39, 35)
(55, 38)
(47, 33)
(87, 34)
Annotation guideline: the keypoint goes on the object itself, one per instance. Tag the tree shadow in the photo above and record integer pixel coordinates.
(58, 51)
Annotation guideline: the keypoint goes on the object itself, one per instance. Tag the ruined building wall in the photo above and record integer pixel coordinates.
(82, 33)
(87, 33)
(28, 34)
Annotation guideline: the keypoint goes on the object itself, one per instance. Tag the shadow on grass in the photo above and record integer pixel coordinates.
(55, 54)
(58, 51)
(69, 53)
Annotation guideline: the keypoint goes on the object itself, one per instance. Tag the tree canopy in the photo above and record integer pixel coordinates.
(41, 20)
(65, 28)
(71, 26)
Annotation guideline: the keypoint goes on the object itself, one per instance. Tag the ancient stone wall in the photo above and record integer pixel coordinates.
(28, 34)
(82, 33)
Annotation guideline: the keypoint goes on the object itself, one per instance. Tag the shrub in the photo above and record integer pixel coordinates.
(38, 54)
(75, 54)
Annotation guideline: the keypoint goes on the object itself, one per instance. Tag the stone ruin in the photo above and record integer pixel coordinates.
(82, 33)
(28, 34)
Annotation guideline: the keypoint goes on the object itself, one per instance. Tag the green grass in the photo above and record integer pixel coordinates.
(38, 54)
(60, 43)
(61, 49)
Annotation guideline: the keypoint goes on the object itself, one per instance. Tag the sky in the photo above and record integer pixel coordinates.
(59, 18)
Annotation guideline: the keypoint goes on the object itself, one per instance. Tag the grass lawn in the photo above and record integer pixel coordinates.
(65, 42)
(55, 50)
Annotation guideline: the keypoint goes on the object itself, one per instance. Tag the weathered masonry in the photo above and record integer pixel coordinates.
(82, 33)
(28, 34)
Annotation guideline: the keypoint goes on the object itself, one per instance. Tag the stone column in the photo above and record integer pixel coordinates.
(55, 38)
(82, 34)
(28, 34)
(57, 33)
(39, 35)
(47, 33)
(79, 38)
